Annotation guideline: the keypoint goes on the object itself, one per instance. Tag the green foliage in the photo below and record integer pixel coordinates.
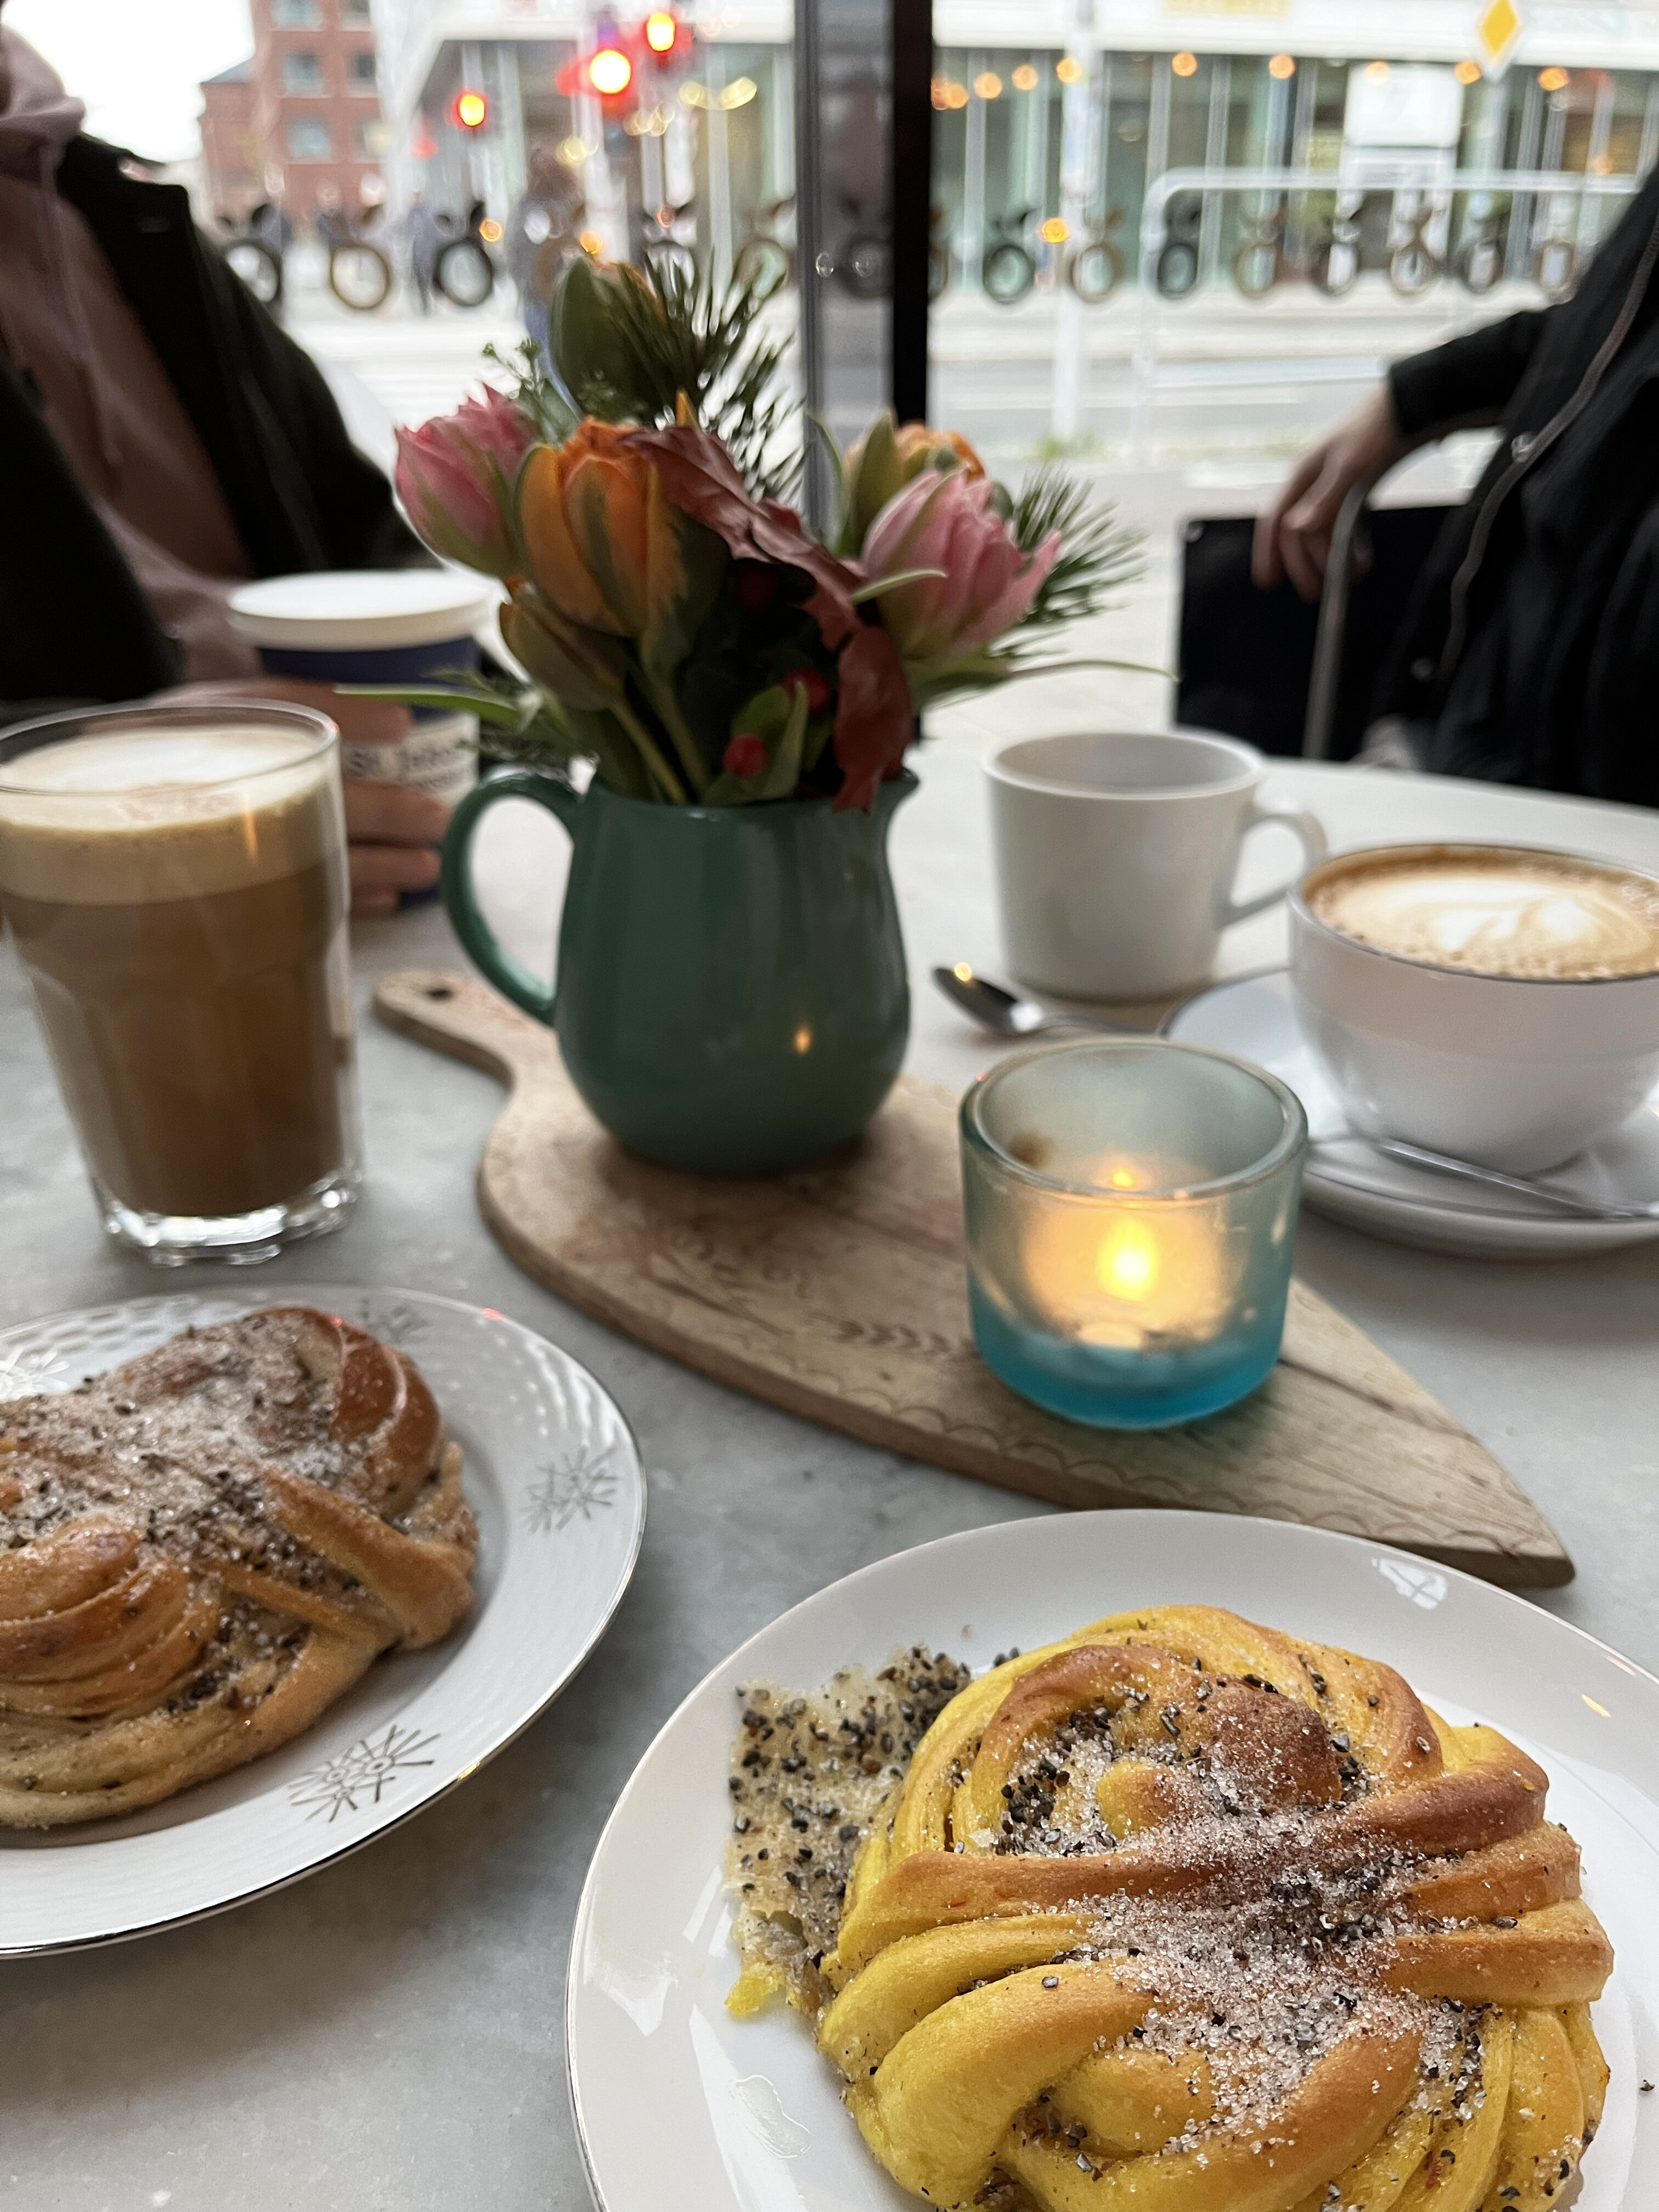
(1098, 556)
(629, 346)
(535, 390)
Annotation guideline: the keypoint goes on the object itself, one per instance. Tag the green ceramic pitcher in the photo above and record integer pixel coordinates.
(731, 991)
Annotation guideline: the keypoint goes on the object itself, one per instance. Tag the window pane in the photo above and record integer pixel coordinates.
(296, 14)
(302, 72)
(361, 70)
(309, 139)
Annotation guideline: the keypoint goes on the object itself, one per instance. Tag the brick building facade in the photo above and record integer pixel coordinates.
(303, 116)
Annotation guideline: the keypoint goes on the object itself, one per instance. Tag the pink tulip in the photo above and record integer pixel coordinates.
(455, 477)
(947, 522)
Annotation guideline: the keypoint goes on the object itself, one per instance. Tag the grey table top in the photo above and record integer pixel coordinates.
(387, 2035)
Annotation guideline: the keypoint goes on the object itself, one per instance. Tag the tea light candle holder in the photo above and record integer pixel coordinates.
(1131, 1211)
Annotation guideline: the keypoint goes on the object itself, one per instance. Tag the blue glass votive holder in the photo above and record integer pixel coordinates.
(1131, 1211)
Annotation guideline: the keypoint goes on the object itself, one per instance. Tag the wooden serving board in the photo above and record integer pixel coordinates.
(840, 1292)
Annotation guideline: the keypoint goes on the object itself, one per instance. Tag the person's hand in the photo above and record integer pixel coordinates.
(1293, 536)
(390, 831)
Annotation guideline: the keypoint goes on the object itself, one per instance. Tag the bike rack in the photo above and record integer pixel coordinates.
(1377, 175)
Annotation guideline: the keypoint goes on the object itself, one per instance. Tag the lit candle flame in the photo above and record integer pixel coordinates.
(1127, 1266)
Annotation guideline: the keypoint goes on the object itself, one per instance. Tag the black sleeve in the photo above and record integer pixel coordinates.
(1476, 374)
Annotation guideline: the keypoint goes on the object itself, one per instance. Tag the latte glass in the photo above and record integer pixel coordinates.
(175, 881)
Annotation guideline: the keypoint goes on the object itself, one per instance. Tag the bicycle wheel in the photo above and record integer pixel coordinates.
(1176, 273)
(1095, 271)
(464, 273)
(258, 269)
(761, 267)
(1257, 267)
(1555, 268)
(865, 266)
(360, 276)
(1412, 269)
(1007, 273)
(1334, 268)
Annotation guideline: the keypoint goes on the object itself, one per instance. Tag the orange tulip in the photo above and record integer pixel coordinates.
(604, 548)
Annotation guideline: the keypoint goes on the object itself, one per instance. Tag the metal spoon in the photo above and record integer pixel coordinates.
(1005, 1015)
(1590, 1209)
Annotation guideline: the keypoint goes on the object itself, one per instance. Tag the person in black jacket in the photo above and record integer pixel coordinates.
(1530, 652)
(160, 439)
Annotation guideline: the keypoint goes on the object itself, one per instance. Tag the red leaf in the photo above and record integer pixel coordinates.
(699, 477)
(874, 716)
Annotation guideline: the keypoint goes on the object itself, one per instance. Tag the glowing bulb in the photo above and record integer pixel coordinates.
(1553, 80)
(1377, 72)
(491, 231)
(803, 1038)
(591, 243)
(1122, 1179)
(470, 109)
(1185, 65)
(1056, 231)
(988, 85)
(660, 31)
(1069, 70)
(964, 974)
(1281, 66)
(610, 71)
(1026, 78)
(1126, 1266)
(1468, 72)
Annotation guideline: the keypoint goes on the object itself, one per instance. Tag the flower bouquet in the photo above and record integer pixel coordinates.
(682, 628)
(731, 991)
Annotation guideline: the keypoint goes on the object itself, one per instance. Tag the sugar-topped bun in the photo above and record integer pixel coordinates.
(1182, 1915)
(201, 1550)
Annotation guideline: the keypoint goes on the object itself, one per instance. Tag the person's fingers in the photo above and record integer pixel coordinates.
(392, 814)
(1304, 560)
(373, 902)
(391, 868)
(1266, 552)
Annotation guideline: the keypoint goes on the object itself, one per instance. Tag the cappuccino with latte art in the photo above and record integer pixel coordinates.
(1540, 917)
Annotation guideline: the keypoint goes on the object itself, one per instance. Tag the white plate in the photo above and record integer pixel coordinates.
(553, 1475)
(1253, 1018)
(679, 2104)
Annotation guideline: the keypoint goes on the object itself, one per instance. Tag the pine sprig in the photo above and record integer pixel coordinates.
(1099, 555)
(690, 335)
(535, 390)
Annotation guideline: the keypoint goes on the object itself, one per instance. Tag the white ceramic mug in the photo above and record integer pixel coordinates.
(1511, 1073)
(1115, 855)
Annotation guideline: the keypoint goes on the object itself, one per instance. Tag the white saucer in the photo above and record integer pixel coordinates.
(678, 2104)
(553, 1475)
(1349, 1182)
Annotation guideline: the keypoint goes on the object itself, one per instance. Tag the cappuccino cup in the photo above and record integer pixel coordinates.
(1497, 1002)
(1115, 856)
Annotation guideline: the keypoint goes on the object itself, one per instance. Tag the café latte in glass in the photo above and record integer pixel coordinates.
(175, 881)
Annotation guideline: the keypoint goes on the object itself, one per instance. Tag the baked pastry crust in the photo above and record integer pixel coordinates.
(1183, 1915)
(201, 1550)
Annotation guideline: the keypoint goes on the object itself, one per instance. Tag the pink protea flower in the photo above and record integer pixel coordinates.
(988, 585)
(455, 477)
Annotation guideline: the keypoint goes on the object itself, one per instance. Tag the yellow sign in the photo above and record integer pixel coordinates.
(1498, 29)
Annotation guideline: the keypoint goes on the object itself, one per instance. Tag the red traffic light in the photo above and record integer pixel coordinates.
(469, 110)
(610, 72)
(662, 30)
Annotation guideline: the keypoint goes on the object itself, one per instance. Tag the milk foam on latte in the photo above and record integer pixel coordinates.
(1536, 917)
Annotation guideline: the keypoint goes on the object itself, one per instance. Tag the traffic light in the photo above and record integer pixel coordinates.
(662, 31)
(469, 110)
(610, 72)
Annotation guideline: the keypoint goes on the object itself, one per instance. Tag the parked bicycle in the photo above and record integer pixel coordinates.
(1094, 266)
(1008, 270)
(766, 261)
(256, 249)
(1175, 272)
(464, 270)
(1414, 265)
(1478, 262)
